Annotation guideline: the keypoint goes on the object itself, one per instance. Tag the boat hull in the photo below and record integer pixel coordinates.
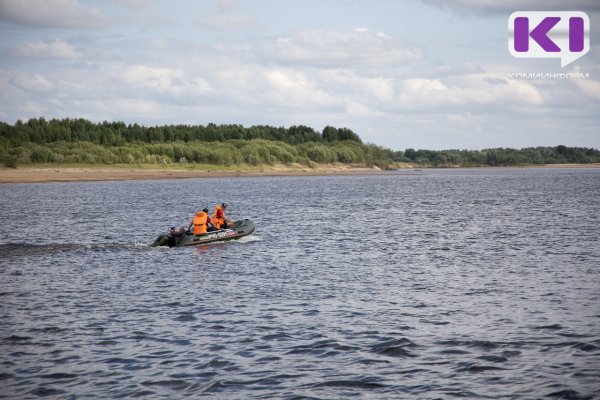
(240, 229)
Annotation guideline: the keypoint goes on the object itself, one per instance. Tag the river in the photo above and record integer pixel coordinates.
(440, 284)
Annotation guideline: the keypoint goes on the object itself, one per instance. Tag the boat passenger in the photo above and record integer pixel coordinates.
(219, 220)
(200, 222)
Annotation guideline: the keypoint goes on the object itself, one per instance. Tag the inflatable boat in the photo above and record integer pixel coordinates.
(179, 237)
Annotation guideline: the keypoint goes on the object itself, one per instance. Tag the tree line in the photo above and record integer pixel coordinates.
(79, 141)
(505, 156)
(38, 130)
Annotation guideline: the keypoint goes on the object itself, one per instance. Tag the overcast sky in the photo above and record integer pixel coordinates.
(422, 74)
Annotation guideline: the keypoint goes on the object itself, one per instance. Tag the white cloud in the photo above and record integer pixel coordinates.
(376, 88)
(32, 83)
(226, 21)
(142, 75)
(51, 14)
(589, 87)
(33, 108)
(465, 118)
(418, 92)
(138, 107)
(228, 16)
(443, 69)
(296, 88)
(360, 48)
(358, 109)
(134, 3)
(468, 91)
(171, 85)
(57, 49)
(201, 86)
(494, 7)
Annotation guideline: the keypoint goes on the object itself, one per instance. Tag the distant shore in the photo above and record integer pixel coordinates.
(46, 173)
(36, 174)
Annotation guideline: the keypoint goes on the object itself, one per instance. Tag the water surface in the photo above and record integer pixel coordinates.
(442, 284)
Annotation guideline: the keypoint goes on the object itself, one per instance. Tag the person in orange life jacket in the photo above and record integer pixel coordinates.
(219, 220)
(200, 222)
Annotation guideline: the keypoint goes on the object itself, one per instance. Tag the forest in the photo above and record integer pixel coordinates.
(79, 141)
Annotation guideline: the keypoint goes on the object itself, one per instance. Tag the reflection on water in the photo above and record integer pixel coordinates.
(446, 284)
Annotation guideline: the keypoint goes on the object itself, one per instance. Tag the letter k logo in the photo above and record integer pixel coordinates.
(539, 34)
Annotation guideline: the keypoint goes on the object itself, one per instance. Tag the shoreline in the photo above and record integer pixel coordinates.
(48, 174)
(32, 174)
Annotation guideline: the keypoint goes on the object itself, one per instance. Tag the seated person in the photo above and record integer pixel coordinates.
(219, 220)
(200, 222)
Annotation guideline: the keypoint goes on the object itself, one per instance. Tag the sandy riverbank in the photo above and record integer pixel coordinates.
(83, 174)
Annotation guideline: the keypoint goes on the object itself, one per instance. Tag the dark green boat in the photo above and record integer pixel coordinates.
(179, 237)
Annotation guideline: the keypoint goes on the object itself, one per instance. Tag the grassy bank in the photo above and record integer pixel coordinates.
(191, 154)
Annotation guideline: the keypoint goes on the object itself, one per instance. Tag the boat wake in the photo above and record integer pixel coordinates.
(25, 249)
(249, 239)
(242, 240)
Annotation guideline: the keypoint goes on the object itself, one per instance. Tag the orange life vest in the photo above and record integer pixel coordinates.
(200, 222)
(218, 221)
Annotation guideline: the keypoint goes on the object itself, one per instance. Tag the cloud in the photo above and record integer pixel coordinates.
(507, 7)
(33, 108)
(396, 93)
(589, 87)
(360, 48)
(465, 118)
(378, 89)
(443, 69)
(146, 76)
(154, 84)
(296, 89)
(51, 14)
(57, 49)
(349, 92)
(228, 16)
(134, 3)
(226, 22)
(135, 107)
(32, 83)
(468, 92)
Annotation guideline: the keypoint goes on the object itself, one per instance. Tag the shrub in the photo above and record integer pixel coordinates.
(10, 160)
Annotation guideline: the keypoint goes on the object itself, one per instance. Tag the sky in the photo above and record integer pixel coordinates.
(423, 74)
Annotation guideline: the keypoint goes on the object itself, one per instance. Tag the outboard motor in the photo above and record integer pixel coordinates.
(177, 231)
(177, 234)
(163, 240)
(170, 239)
